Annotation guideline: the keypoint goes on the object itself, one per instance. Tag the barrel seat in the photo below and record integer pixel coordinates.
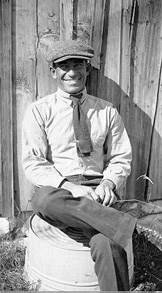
(60, 260)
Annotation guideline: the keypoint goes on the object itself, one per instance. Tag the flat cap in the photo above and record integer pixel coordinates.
(57, 51)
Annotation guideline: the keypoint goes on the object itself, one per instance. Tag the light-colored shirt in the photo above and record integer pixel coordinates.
(49, 150)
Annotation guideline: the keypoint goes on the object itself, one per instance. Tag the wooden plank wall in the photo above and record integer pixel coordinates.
(25, 87)
(126, 35)
(6, 111)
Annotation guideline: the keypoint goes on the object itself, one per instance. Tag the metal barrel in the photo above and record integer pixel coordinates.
(58, 261)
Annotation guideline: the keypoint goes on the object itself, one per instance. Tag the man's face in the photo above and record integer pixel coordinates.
(71, 75)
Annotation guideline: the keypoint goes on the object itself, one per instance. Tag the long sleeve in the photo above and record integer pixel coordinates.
(118, 151)
(37, 168)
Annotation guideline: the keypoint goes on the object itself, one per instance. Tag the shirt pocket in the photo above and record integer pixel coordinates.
(98, 142)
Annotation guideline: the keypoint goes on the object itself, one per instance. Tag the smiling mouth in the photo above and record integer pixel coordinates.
(72, 80)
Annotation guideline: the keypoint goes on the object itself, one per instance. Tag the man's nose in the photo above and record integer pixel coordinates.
(72, 71)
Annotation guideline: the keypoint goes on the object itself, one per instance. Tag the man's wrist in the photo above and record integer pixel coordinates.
(108, 182)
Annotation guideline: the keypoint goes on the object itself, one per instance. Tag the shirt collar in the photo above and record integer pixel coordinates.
(65, 97)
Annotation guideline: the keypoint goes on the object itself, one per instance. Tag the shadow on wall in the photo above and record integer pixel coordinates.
(137, 122)
(139, 128)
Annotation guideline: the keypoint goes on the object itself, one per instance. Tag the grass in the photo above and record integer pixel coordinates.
(147, 264)
(147, 259)
(12, 258)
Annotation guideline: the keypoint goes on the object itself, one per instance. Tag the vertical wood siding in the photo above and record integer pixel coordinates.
(127, 38)
(6, 110)
(26, 86)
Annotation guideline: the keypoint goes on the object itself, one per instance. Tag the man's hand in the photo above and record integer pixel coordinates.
(105, 193)
(80, 190)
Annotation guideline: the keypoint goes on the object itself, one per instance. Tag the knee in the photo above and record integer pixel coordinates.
(40, 198)
(47, 197)
(99, 240)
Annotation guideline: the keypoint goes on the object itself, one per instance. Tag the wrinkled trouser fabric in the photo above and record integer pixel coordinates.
(108, 229)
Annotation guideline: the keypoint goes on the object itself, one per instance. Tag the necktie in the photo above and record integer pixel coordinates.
(80, 128)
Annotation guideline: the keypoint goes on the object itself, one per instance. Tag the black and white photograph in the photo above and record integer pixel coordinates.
(81, 145)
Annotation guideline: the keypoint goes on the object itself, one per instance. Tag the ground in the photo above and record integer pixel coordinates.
(147, 264)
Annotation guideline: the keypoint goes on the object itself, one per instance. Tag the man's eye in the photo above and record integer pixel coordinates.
(63, 66)
(79, 65)
(66, 67)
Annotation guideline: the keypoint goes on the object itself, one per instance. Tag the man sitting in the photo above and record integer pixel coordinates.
(77, 151)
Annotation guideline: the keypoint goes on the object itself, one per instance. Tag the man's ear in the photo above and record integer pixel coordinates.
(88, 67)
(53, 72)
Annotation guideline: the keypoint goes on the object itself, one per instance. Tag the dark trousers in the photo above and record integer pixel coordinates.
(108, 229)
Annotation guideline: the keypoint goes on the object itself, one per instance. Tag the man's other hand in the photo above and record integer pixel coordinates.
(105, 193)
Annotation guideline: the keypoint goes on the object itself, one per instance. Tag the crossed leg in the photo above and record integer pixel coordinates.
(110, 230)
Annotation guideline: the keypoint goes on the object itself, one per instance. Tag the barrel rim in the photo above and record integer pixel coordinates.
(76, 246)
